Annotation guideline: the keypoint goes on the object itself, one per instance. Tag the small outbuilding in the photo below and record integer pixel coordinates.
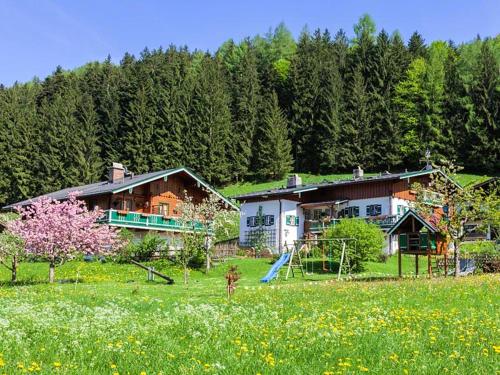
(417, 236)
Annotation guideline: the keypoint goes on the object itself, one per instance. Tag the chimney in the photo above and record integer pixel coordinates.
(293, 181)
(116, 173)
(357, 173)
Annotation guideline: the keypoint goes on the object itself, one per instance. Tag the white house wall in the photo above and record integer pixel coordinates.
(395, 202)
(290, 233)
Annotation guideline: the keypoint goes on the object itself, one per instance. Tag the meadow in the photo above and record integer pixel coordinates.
(106, 319)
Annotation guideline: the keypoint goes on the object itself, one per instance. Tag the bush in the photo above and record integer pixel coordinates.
(369, 245)
(139, 251)
(479, 247)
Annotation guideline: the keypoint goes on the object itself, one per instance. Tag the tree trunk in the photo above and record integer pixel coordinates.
(456, 256)
(52, 271)
(14, 269)
(185, 275)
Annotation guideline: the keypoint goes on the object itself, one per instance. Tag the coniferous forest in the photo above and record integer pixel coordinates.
(257, 109)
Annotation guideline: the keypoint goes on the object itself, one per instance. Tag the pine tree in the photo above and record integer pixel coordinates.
(139, 119)
(483, 125)
(210, 123)
(416, 46)
(454, 109)
(246, 93)
(19, 142)
(304, 78)
(86, 159)
(273, 152)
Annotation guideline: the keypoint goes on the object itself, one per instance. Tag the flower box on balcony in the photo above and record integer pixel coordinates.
(122, 212)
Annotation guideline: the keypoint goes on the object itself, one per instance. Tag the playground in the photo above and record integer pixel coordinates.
(107, 318)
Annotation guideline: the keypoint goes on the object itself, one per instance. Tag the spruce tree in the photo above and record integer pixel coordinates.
(246, 93)
(210, 123)
(416, 46)
(483, 149)
(273, 151)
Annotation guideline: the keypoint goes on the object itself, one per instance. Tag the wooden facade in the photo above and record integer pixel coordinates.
(160, 197)
(363, 189)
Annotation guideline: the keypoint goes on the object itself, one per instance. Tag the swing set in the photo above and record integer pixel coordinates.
(327, 247)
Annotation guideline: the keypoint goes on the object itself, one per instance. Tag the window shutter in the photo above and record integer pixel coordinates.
(248, 221)
(403, 241)
(368, 210)
(432, 240)
(288, 219)
(424, 239)
(296, 221)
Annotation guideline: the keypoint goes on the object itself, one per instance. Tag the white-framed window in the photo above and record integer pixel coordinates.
(352, 211)
(292, 220)
(374, 210)
(269, 220)
(401, 209)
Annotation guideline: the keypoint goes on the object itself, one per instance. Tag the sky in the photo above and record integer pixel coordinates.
(38, 35)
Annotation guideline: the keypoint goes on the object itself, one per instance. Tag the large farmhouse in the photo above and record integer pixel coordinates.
(297, 210)
(141, 203)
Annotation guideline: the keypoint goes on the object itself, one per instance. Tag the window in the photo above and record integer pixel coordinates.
(307, 214)
(163, 209)
(269, 220)
(126, 205)
(401, 210)
(352, 211)
(292, 220)
(252, 221)
(374, 210)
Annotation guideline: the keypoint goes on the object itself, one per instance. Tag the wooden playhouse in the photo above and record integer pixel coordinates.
(417, 236)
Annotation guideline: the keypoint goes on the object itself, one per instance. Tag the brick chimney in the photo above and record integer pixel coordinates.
(116, 173)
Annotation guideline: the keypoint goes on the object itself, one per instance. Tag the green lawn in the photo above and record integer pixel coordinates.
(248, 187)
(112, 321)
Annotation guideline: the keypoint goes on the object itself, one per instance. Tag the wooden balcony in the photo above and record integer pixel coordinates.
(131, 219)
(318, 226)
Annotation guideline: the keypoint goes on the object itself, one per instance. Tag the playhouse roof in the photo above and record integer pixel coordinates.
(420, 222)
(128, 182)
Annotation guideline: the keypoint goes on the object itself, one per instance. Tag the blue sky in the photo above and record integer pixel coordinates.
(38, 35)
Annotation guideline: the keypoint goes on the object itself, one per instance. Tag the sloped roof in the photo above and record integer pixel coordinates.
(129, 182)
(363, 180)
(420, 219)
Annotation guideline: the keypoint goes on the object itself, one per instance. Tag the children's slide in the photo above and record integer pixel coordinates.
(273, 272)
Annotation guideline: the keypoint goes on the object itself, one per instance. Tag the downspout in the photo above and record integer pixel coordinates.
(280, 227)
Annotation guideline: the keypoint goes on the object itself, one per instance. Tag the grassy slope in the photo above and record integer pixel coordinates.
(115, 322)
(248, 187)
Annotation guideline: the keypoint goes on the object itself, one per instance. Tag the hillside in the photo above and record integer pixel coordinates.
(248, 187)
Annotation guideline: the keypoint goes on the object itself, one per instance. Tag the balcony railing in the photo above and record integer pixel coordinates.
(132, 219)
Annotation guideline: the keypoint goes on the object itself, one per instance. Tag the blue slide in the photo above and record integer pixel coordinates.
(273, 272)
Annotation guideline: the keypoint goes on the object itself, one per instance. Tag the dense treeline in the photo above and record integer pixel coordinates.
(256, 110)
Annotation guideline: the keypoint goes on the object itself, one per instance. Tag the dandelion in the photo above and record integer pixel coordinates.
(57, 364)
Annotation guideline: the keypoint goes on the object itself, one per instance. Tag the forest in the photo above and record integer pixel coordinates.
(257, 109)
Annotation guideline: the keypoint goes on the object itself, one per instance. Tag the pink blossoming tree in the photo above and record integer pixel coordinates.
(58, 231)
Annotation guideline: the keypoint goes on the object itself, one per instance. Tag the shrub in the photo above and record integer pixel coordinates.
(369, 245)
(479, 247)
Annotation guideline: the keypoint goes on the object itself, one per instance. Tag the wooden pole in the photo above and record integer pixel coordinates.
(400, 271)
(445, 264)
(416, 264)
(429, 266)
(341, 259)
